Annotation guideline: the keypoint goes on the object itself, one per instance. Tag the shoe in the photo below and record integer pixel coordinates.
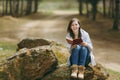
(74, 70)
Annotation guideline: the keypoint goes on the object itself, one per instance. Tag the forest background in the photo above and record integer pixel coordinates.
(48, 19)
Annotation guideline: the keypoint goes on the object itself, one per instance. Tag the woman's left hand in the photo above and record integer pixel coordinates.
(83, 44)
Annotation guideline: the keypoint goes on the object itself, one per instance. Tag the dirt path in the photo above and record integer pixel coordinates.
(54, 28)
(47, 29)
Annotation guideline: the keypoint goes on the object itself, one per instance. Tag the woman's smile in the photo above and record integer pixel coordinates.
(75, 26)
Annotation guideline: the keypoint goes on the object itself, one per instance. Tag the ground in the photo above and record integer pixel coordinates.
(53, 26)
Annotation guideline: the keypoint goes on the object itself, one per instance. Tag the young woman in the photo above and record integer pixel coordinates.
(80, 47)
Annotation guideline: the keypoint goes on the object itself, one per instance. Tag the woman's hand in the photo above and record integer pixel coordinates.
(70, 41)
(83, 44)
(73, 46)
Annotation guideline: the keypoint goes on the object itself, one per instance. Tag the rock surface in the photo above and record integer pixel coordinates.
(63, 73)
(29, 64)
(43, 60)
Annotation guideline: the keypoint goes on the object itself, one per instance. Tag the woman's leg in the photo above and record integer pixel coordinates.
(83, 56)
(74, 61)
(82, 62)
(75, 55)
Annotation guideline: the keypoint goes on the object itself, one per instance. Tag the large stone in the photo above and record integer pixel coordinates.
(43, 60)
(60, 50)
(61, 73)
(91, 73)
(29, 64)
(30, 43)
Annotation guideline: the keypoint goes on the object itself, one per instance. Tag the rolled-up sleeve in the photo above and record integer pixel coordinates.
(68, 37)
(86, 38)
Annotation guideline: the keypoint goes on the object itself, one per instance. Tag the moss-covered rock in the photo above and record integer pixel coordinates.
(39, 59)
(60, 50)
(91, 73)
(29, 64)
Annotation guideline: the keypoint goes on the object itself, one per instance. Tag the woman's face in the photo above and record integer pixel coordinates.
(75, 26)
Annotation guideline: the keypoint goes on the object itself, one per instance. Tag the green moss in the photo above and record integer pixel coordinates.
(61, 58)
(7, 49)
(113, 72)
(114, 75)
(3, 76)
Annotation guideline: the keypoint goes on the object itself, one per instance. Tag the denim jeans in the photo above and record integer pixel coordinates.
(80, 56)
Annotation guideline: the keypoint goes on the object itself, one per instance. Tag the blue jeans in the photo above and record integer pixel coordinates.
(80, 56)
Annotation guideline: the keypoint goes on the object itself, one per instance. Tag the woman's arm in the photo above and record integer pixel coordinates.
(86, 40)
(70, 41)
(89, 43)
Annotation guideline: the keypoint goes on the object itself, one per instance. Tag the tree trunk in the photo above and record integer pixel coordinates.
(116, 18)
(29, 7)
(22, 6)
(35, 6)
(113, 8)
(10, 2)
(87, 9)
(3, 7)
(80, 7)
(6, 10)
(17, 8)
(104, 8)
(110, 7)
(94, 8)
(14, 8)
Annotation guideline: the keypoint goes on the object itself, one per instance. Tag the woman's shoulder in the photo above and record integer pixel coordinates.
(83, 31)
(68, 35)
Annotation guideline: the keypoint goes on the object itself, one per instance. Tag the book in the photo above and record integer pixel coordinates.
(77, 41)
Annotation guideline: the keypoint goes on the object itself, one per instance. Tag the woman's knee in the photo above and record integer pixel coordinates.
(78, 47)
(84, 48)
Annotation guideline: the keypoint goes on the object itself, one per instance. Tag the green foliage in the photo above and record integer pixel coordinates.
(113, 72)
(58, 4)
(62, 59)
(114, 75)
(3, 76)
(7, 49)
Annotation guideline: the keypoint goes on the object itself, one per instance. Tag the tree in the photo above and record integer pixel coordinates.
(6, 10)
(10, 2)
(87, 8)
(35, 6)
(17, 8)
(29, 7)
(94, 8)
(104, 8)
(3, 7)
(22, 6)
(116, 18)
(111, 8)
(80, 6)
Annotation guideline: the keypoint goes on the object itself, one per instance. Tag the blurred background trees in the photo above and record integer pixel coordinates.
(108, 8)
(90, 8)
(18, 7)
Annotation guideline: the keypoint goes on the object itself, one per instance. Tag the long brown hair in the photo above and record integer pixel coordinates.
(69, 30)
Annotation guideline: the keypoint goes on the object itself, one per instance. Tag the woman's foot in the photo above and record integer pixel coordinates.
(81, 70)
(74, 69)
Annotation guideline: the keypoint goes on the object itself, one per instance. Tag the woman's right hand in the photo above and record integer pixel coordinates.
(73, 46)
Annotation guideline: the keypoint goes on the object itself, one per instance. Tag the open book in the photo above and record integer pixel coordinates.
(74, 41)
(77, 41)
